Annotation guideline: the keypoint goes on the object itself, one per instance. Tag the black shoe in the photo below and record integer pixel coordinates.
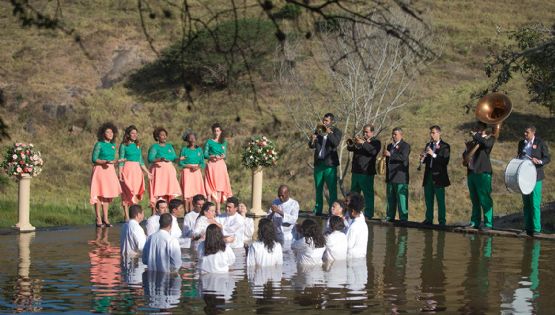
(107, 224)
(426, 222)
(485, 229)
(470, 226)
(532, 233)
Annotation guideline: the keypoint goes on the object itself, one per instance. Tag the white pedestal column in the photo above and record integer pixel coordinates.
(23, 202)
(256, 209)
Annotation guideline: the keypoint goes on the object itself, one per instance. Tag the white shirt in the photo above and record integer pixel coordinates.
(233, 225)
(285, 224)
(528, 148)
(335, 246)
(132, 239)
(307, 254)
(249, 231)
(260, 256)
(189, 224)
(162, 252)
(152, 224)
(175, 231)
(215, 263)
(200, 227)
(357, 238)
(322, 153)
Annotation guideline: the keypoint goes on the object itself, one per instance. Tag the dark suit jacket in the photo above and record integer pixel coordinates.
(481, 161)
(364, 157)
(332, 143)
(397, 165)
(540, 151)
(440, 177)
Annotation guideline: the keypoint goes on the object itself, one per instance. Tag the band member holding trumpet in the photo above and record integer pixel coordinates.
(435, 158)
(325, 143)
(479, 177)
(365, 149)
(397, 176)
(534, 149)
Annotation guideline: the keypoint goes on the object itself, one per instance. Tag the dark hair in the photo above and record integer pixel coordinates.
(165, 220)
(436, 127)
(157, 131)
(267, 233)
(102, 129)
(159, 202)
(213, 240)
(330, 116)
(313, 233)
(531, 127)
(127, 135)
(175, 203)
(336, 223)
(222, 135)
(134, 210)
(341, 204)
(205, 208)
(397, 129)
(233, 200)
(356, 203)
(368, 126)
(198, 197)
(186, 136)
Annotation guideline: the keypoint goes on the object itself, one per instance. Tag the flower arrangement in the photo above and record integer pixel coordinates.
(22, 159)
(259, 152)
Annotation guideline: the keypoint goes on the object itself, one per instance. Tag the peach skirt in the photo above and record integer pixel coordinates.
(133, 185)
(216, 180)
(192, 183)
(164, 181)
(104, 183)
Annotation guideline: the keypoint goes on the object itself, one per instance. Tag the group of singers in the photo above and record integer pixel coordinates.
(128, 180)
(435, 159)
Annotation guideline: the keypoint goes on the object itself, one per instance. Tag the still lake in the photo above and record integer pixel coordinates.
(407, 271)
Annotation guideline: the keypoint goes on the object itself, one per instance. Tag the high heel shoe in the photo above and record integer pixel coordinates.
(99, 225)
(107, 224)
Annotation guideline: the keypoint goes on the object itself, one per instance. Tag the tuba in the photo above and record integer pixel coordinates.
(491, 109)
(381, 163)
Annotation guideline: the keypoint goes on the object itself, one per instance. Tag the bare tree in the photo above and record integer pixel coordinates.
(369, 75)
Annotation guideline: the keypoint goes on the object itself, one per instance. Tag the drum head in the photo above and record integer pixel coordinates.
(527, 177)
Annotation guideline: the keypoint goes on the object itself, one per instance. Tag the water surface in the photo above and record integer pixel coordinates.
(406, 271)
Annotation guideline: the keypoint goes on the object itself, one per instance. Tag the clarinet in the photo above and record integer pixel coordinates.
(423, 155)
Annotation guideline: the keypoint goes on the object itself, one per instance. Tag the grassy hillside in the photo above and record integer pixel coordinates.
(56, 97)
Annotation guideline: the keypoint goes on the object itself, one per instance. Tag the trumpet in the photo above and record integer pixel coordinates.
(353, 141)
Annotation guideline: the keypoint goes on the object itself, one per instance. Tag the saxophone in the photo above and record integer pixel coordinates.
(381, 163)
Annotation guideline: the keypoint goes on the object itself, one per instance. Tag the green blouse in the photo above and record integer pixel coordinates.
(130, 152)
(104, 151)
(215, 148)
(157, 151)
(193, 156)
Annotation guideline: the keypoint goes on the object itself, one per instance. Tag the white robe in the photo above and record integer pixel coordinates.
(249, 231)
(357, 238)
(152, 224)
(132, 239)
(233, 225)
(335, 246)
(189, 224)
(215, 263)
(175, 231)
(285, 224)
(200, 227)
(307, 254)
(260, 256)
(162, 252)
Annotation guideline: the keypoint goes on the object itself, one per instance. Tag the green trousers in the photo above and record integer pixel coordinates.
(364, 183)
(430, 190)
(479, 187)
(324, 174)
(397, 198)
(532, 213)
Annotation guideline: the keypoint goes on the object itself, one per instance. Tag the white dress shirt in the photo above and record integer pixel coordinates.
(152, 224)
(162, 252)
(215, 263)
(335, 246)
(322, 153)
(233, 225)
(307, 254)
(176, 230)
(132, 239)
(200, 227)
(249, 231)
(528, 148)
(189, 224)
(357, 238)
(260, 256)
(285, 224)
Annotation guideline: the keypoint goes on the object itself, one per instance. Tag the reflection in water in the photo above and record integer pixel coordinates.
(162, 289)
(27, 291)
(476, 283)
(395, 269)
(432, 273)
(105, 270)
(524, 298)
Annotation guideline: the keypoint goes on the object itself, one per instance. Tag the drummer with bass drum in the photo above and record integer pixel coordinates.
(534, 149)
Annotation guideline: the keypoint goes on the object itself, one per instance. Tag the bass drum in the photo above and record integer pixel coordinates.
(520, 176)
